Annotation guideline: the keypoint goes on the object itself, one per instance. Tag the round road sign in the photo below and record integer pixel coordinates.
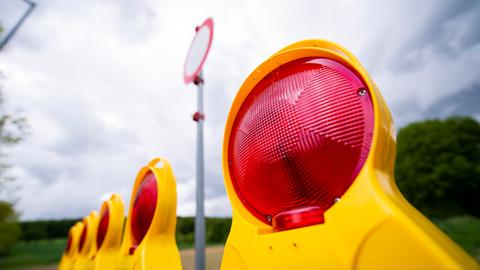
(198, 51)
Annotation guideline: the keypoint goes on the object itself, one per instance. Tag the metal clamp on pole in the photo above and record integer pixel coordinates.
(198, 80)
(197, 116)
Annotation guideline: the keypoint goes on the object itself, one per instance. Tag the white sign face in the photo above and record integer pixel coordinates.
(198, 51)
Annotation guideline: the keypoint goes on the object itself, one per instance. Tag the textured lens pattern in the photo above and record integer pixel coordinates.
(300, 137)
(144, 208)
(103, 226)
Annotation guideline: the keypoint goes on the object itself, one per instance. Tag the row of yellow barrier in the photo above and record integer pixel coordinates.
(145, 240)
(308, 158)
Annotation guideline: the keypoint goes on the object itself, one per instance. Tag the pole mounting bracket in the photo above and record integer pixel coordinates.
(197, 116)
(198, 80)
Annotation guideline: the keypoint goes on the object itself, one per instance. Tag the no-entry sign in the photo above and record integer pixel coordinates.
(197, 54)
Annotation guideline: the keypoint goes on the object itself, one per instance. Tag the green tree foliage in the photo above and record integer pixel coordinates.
(12, 129)
(438, 166)
(217, 230)
(9, 228)
(185, 231)
(46, 229)
(10, 133)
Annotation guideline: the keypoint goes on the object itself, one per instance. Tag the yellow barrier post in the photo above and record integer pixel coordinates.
(109, 233)
(87, 246)
(308, 157)
(71, 250)
(150, 229)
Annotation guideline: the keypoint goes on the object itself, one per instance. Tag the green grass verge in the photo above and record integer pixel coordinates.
(464, 230)
(45, 252)
(40, 252)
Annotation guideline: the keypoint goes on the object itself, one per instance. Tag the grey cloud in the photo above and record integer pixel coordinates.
(214, 185)
(406, 112)
(451, 29)
(465, 102)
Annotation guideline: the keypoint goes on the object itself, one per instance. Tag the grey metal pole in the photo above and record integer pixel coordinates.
(200, 217)
(18, 24)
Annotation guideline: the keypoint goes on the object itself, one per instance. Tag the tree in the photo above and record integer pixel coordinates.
(12, 129)
(218, 229)
(9, 228)
(438, 166)
(11, 132)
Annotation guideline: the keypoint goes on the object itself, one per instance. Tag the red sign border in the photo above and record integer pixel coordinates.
(190, 78)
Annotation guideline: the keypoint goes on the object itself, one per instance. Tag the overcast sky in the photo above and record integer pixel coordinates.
(100, 82)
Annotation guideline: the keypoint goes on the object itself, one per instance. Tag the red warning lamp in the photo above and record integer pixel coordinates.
(83, 236)
(103, 226)
(299, 140)
(143, 208)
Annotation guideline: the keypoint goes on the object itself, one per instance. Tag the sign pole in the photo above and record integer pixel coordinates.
(197, 54)
(200, 215)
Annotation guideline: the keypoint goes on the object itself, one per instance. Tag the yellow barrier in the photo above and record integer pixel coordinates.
(149, 238)
(71, 250)
(109, 233)
(353, 216)
(87, 246)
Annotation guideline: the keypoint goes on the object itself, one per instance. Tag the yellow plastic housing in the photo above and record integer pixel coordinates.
(67, 261)
(87, 253)
(107, 254)
(371, 227)
(158, 249)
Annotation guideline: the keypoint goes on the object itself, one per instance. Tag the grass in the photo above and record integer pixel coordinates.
(46, 252)
(464, 230)
(213, 257)
(41, 252)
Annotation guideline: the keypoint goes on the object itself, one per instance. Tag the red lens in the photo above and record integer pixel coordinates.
(297, 218)
(103, 226)
(144, 207)
(83, 236)
(69, 243)
(300, 137)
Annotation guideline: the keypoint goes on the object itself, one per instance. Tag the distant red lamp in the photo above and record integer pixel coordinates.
(103, 227)
(69, 243)
(83, 236)
(144, 208)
